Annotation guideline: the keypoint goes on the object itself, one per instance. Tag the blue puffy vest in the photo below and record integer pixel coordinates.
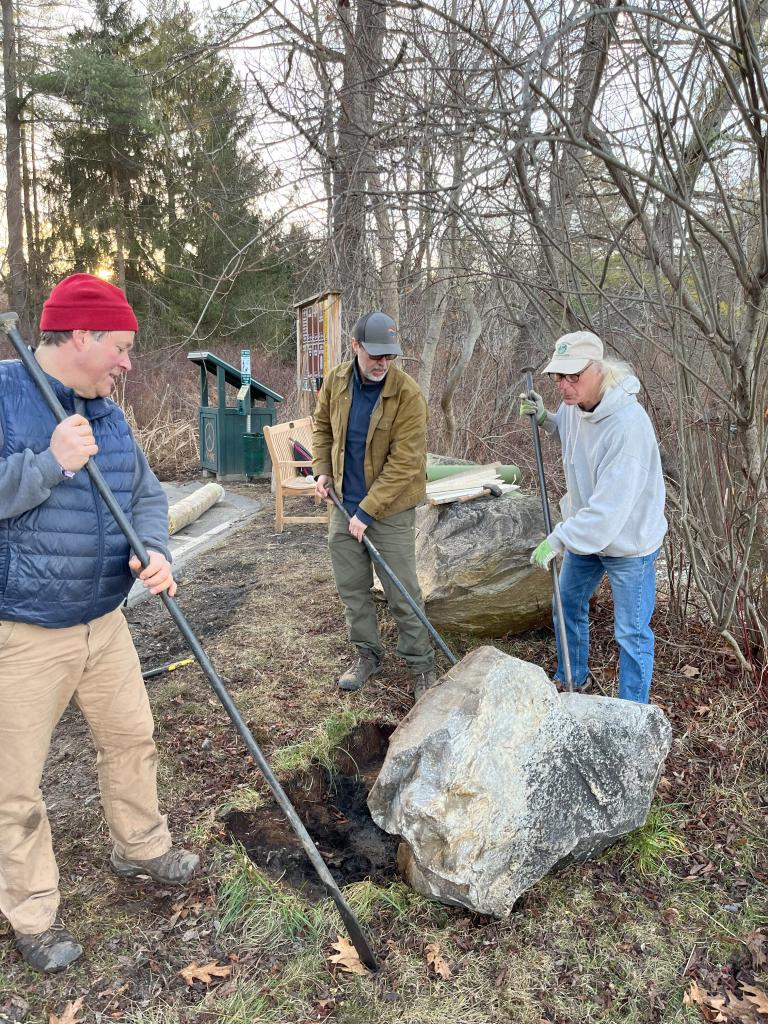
(66, 561)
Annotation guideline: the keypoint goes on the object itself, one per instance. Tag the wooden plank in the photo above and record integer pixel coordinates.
(470, 473)
(462, 485)
(467, 494)
(447, 499)
(505, 489)
(486, 481)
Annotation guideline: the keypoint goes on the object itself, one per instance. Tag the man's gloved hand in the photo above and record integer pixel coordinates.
(543, 555)
(533, 405)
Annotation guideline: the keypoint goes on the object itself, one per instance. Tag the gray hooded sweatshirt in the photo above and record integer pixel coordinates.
(615, 500)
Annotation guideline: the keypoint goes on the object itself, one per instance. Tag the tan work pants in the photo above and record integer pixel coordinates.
(41, 670)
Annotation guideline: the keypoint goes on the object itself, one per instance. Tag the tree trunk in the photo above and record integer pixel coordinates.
(33, 272)
(354, 157)
(390, 299)
(436, 303)
(473, 332)
(119, 238)
(18, 291)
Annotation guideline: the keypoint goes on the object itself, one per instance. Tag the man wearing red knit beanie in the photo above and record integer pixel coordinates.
(67, 569)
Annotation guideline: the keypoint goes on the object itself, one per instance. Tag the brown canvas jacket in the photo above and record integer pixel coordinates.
(396, 448)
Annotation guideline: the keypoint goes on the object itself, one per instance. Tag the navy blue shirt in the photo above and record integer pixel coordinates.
(365, 395)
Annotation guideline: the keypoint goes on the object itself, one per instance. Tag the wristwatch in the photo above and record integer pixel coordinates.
(67, 473)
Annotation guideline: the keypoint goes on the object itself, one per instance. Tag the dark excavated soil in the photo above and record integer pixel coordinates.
(332, 806)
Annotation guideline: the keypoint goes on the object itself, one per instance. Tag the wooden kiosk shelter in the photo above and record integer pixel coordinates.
(318, 344)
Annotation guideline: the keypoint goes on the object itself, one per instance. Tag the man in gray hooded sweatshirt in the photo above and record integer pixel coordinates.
(613, 511)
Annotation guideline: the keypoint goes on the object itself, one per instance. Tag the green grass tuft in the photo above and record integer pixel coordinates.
(262, 911)
(367, 897)
(285, 996)
(243, 798)
(320, 747)
(648, 848)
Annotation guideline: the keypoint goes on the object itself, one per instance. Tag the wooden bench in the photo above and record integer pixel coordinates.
(289, 483)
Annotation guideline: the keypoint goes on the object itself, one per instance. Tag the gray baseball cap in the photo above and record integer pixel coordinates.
(377, 333)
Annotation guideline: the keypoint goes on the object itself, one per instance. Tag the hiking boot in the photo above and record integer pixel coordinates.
(49, 951)
(175, 867)
(423, 681)
(588, 686)
(363, 668)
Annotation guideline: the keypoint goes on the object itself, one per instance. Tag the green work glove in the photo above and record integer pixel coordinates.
(543, 555)
(533, 405)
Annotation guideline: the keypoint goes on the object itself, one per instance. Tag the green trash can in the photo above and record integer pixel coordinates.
(253, 454)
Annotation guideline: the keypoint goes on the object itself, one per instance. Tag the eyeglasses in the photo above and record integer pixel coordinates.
(571, 378)
(377, 359)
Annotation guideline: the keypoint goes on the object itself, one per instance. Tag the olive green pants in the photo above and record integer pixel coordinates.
(395, 540)
(41, 670)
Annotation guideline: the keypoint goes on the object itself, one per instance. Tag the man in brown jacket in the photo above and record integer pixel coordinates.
(370, 443)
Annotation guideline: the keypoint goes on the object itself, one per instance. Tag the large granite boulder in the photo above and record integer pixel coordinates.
(494, 779)
(473, 562)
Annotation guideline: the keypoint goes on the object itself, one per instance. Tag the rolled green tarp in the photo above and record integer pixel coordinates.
(509, 474)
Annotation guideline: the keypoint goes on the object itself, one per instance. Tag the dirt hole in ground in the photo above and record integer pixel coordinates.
(333, 809)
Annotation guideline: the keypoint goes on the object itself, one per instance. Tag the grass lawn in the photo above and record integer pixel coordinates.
(669, 925)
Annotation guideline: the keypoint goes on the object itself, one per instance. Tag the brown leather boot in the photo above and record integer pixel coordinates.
(366, 665)
(174, 867)
(423, 681)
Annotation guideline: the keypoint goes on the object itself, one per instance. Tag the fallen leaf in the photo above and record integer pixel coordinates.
(757, 944)
(110, 993)
(171, 922)
(757, 997)
(739, 1011)
(346, 958)
(710, 1006)
(689, 671)
(697, 870)
(70, 1015)
(436, 962)
(206, 973)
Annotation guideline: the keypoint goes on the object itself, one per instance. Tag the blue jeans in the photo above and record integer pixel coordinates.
(633, 584)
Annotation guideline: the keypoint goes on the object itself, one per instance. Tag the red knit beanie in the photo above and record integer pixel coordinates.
(86, 303)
